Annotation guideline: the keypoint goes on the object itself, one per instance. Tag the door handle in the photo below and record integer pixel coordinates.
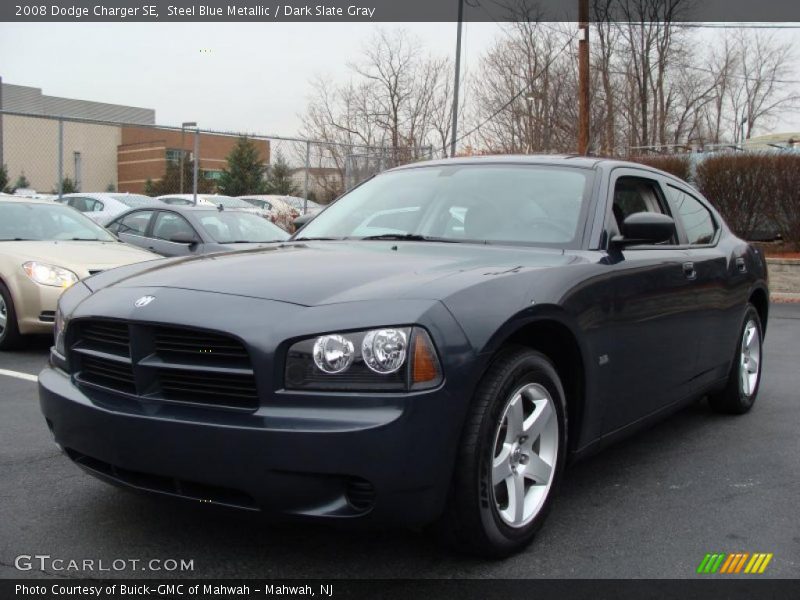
(689, 270)
(741, 266)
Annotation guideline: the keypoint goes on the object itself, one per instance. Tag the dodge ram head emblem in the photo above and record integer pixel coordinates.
(144, 301)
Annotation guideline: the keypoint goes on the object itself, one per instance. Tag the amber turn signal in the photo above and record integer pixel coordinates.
(425, 368)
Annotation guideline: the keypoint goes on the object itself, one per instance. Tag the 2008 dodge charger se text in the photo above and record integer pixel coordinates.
(433, 348)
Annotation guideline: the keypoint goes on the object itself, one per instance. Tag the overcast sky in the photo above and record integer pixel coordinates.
(250, 78)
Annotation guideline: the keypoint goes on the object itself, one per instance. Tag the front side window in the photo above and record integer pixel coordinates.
(696, 218)
(169, 225)
(493, 203)
(134, 223)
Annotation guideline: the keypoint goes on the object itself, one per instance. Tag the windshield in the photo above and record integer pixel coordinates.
(43, 222)
(232, 228)
(528, 204)
(135, 200)
(228, 201)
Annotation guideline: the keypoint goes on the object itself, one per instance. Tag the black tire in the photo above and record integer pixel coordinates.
(472, 521)
(733, 399)
(10, 336)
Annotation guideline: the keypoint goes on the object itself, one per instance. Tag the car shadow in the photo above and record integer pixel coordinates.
(230, 543)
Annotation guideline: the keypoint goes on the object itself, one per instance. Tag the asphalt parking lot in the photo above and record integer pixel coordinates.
(651, 506)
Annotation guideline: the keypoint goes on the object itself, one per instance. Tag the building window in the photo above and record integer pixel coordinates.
(174, 155)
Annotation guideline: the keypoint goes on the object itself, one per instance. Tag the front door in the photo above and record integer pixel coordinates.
(651, 358)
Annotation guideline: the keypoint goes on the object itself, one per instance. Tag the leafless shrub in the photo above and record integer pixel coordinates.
(754, 191)
(676, 164)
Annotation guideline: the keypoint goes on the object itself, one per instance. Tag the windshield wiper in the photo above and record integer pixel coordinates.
(18, 239)
(77, 239)
(408, 237)
(315, 239)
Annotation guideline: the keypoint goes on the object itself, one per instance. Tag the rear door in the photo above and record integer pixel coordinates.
(650, 361)
(718, 311)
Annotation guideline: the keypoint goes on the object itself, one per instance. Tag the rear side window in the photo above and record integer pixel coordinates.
(84, 204)
(696, 219)
(135, 223)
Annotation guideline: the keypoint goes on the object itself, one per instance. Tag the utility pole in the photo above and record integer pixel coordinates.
(454, 135)
(583, 78)
(196, 164)
(184, 126)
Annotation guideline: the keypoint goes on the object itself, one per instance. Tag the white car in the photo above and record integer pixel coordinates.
(213, 200)
(279, 211)
(302, 205)
(101, 208)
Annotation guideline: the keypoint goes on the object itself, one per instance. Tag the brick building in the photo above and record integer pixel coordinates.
(145, 152)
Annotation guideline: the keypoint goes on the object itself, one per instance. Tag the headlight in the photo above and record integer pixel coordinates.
(384, 350)
(333, 353)
(391, 359)
(45, 274)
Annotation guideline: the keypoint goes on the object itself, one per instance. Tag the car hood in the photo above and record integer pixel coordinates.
(316, 273)
(79, 257)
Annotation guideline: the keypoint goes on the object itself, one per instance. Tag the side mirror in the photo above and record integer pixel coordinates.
(646, 228)
(302, 220)
(184, 238)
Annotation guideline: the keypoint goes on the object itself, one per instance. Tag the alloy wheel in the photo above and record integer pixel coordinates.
(3, 316)
(750, 359)
(525, 455)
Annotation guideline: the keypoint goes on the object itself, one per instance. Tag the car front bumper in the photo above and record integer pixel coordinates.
(36, 306)
(390, 462)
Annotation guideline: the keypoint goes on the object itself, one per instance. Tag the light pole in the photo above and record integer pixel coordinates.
(183, 149)
(583, 78)
(453, 137)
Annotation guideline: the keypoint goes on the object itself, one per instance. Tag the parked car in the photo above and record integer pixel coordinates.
(100, 208)
(302, 206)
(277, 209)
(215, 200)
(44, 249)
(188, 230)
(517, 314)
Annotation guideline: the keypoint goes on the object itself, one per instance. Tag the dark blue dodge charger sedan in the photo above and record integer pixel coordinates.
(433, 348)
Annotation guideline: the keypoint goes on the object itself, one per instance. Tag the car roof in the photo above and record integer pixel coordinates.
(573, 160)
(181, 209)
(23, 200)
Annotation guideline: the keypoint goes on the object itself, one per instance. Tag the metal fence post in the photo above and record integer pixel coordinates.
(60, 158)
(2, 162)
(196, 168)
(305, 180)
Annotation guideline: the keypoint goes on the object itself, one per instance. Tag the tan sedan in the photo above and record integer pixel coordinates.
(44, 249)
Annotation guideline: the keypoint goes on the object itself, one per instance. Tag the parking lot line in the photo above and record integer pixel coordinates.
(18, 375)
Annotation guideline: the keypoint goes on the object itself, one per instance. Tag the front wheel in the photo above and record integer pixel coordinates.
(744, 380)
(9, 331)
(511, 456)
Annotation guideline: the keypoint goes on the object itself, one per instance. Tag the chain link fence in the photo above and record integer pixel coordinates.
(52, 155)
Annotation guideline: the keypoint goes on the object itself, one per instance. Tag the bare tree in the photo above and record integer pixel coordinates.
(393, 109)
(758, 91)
